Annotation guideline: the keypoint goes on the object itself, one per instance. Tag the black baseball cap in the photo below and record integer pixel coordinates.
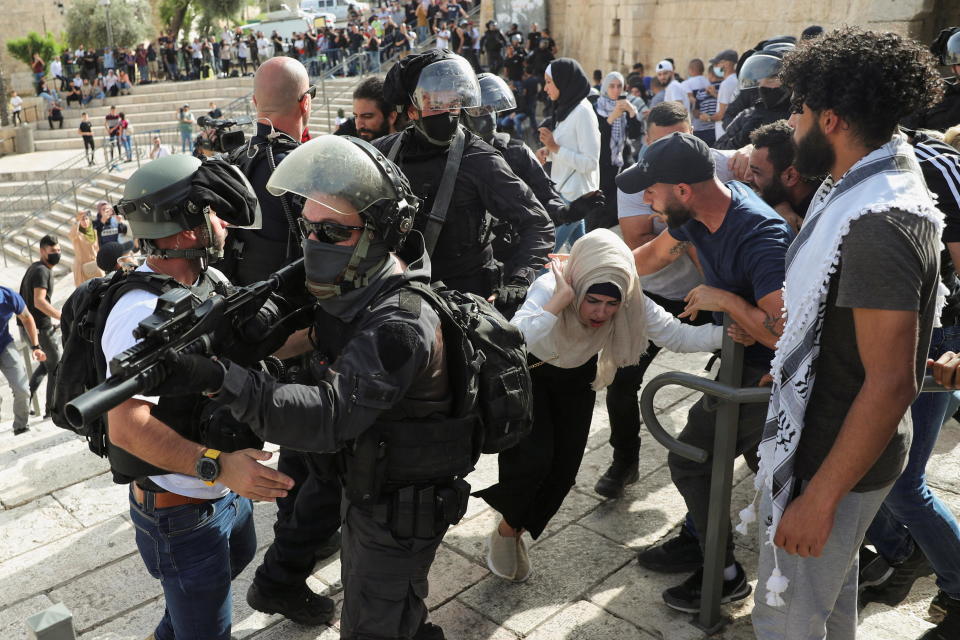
(111, 252)
(678, 157)
(726, 54)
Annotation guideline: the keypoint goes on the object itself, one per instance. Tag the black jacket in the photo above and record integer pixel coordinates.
(484, 184)
(747, 121)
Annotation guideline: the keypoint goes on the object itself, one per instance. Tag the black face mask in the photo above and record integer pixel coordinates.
(439, 129)
(773, 97)
(484, 126)
(53, 258)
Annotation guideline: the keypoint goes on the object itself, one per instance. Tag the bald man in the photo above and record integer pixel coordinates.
(308, 518)
(282, 96)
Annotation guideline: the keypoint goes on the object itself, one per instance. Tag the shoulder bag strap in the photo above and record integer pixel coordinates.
(438, 214)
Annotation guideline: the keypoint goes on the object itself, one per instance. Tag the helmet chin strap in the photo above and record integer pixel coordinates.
(205, 254)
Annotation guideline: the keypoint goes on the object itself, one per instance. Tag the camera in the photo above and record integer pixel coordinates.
(217, 136)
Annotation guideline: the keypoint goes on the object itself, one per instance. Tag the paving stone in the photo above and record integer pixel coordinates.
(59, 562)
(287, 630)
(633, 593)
(33, 525)
(451, 574)
(943, 470)
(563, 567)
(107, 592)
(463, 623)
(246, 620)
(13, 619)
(133, 625)
(596, 462)
(48, 470)
(95, 500)
(584, 620)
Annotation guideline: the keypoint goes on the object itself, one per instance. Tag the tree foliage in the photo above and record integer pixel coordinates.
(48, 46)
(87, 23)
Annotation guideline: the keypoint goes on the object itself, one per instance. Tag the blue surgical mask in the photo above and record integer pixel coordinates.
(718, 71)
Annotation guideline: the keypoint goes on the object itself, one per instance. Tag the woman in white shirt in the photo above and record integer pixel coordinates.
(582, 321)
(571, 139)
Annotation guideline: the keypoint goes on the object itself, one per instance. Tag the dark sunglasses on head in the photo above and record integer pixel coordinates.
(327, 230)
(312, 92)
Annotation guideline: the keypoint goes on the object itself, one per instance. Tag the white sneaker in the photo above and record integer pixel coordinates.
(523, 561)
(502, 555)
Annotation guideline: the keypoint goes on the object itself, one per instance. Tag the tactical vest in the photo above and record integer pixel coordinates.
(414, 442)
(192, 417)
(249, 256)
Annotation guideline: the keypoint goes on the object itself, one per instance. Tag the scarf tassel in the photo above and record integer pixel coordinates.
(777, 583)
(748, 515)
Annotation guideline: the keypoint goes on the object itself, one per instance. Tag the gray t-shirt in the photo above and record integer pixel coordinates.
(888, 261)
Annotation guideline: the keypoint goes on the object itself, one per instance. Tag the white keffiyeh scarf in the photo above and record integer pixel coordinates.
(888, 178)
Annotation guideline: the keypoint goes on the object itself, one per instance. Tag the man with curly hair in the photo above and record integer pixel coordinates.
(860, 302)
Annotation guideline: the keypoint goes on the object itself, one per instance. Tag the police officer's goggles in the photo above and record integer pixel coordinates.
(327, 230)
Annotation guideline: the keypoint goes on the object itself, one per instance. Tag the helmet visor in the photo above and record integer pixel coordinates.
(329, 169)
(446, 86)
(495, 96)
(952, 54)
(758, 67)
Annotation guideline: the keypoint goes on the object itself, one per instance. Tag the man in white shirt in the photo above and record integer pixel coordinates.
(694, 82)
(674, 90)
(56, 70)
(443, 38)
(725, 66)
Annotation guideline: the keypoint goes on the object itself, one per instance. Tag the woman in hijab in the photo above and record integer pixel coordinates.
(571, 139)
(83, 237)
(617, 119)
(582, 320)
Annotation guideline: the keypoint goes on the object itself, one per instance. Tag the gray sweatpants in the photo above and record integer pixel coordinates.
(821, 599)
(11, 365)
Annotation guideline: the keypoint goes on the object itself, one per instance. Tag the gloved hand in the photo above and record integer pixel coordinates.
(188, 374)
(258, 336)
(510, 296)
(582, 207)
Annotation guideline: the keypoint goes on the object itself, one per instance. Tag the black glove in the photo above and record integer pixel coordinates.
(510, 296)
(189, 374)
(582, 207)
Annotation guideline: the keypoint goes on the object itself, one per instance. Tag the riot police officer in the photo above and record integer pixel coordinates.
(759, 73)
(946, 113)
(190, 480)
(389, 398)
(459, 179)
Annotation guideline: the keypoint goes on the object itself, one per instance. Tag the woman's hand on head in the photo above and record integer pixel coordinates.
(563, 291)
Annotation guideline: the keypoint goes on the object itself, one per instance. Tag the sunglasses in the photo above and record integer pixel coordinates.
(312, 92)
(327, 230)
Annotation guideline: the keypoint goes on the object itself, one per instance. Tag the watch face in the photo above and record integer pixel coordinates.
(208, 469)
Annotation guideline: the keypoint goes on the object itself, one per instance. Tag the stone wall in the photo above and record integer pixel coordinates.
(19, 18)
(613, 34)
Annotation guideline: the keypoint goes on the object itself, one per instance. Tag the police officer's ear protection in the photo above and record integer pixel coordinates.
(394, 217)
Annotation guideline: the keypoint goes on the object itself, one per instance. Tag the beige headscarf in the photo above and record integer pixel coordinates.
(599, 256)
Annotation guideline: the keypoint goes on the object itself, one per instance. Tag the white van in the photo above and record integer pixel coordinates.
(339, 8)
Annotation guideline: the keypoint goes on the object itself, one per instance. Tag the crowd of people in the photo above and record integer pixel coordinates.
(805, 189)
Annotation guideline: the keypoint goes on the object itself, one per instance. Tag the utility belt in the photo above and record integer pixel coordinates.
(422, 510)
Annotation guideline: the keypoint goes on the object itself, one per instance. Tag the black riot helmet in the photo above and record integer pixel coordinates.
(761, 71)
(350, 169)
(437, 83)
(495, 97)
(951, 53)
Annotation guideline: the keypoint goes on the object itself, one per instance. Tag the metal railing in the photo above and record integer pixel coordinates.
(729, 395)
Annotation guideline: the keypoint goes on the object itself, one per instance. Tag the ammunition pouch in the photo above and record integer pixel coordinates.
(423, 511)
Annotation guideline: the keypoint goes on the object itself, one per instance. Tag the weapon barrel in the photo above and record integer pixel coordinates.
(88, 406)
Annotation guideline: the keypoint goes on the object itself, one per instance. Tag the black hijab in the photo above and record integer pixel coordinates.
(573, 84)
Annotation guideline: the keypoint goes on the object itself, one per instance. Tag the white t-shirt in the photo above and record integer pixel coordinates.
(443, 39)
(132, 308)
(17, 103)
(56, 69)
(243, 51)
(675, 92)
(695, 83)
(726, 94)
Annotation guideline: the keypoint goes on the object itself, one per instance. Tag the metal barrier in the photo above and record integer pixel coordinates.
(730, 395)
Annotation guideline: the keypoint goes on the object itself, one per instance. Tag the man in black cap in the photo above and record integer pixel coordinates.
(452, 170)
(741, 244)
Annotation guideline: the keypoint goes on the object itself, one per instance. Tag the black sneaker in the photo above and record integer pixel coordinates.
(22, 429)
(677, 555)
(328, 548)
(895, 588)
(302, 606)
(429, 631)
(686, 596)
(874, 569)
(620, 474)
(949, 626)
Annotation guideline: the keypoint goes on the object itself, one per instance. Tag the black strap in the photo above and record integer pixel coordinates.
(441, 203)
(395, 148)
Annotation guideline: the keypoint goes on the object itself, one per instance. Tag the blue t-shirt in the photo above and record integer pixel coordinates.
(11, 304)
(746, 255)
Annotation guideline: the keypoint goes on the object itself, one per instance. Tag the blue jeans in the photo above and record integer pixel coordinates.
(186, 141)
(196, 550)
(912, 513)
(570, 232)
(11, 365)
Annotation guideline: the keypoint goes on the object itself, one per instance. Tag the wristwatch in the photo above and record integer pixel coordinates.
(35, 347)
(208, 467)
